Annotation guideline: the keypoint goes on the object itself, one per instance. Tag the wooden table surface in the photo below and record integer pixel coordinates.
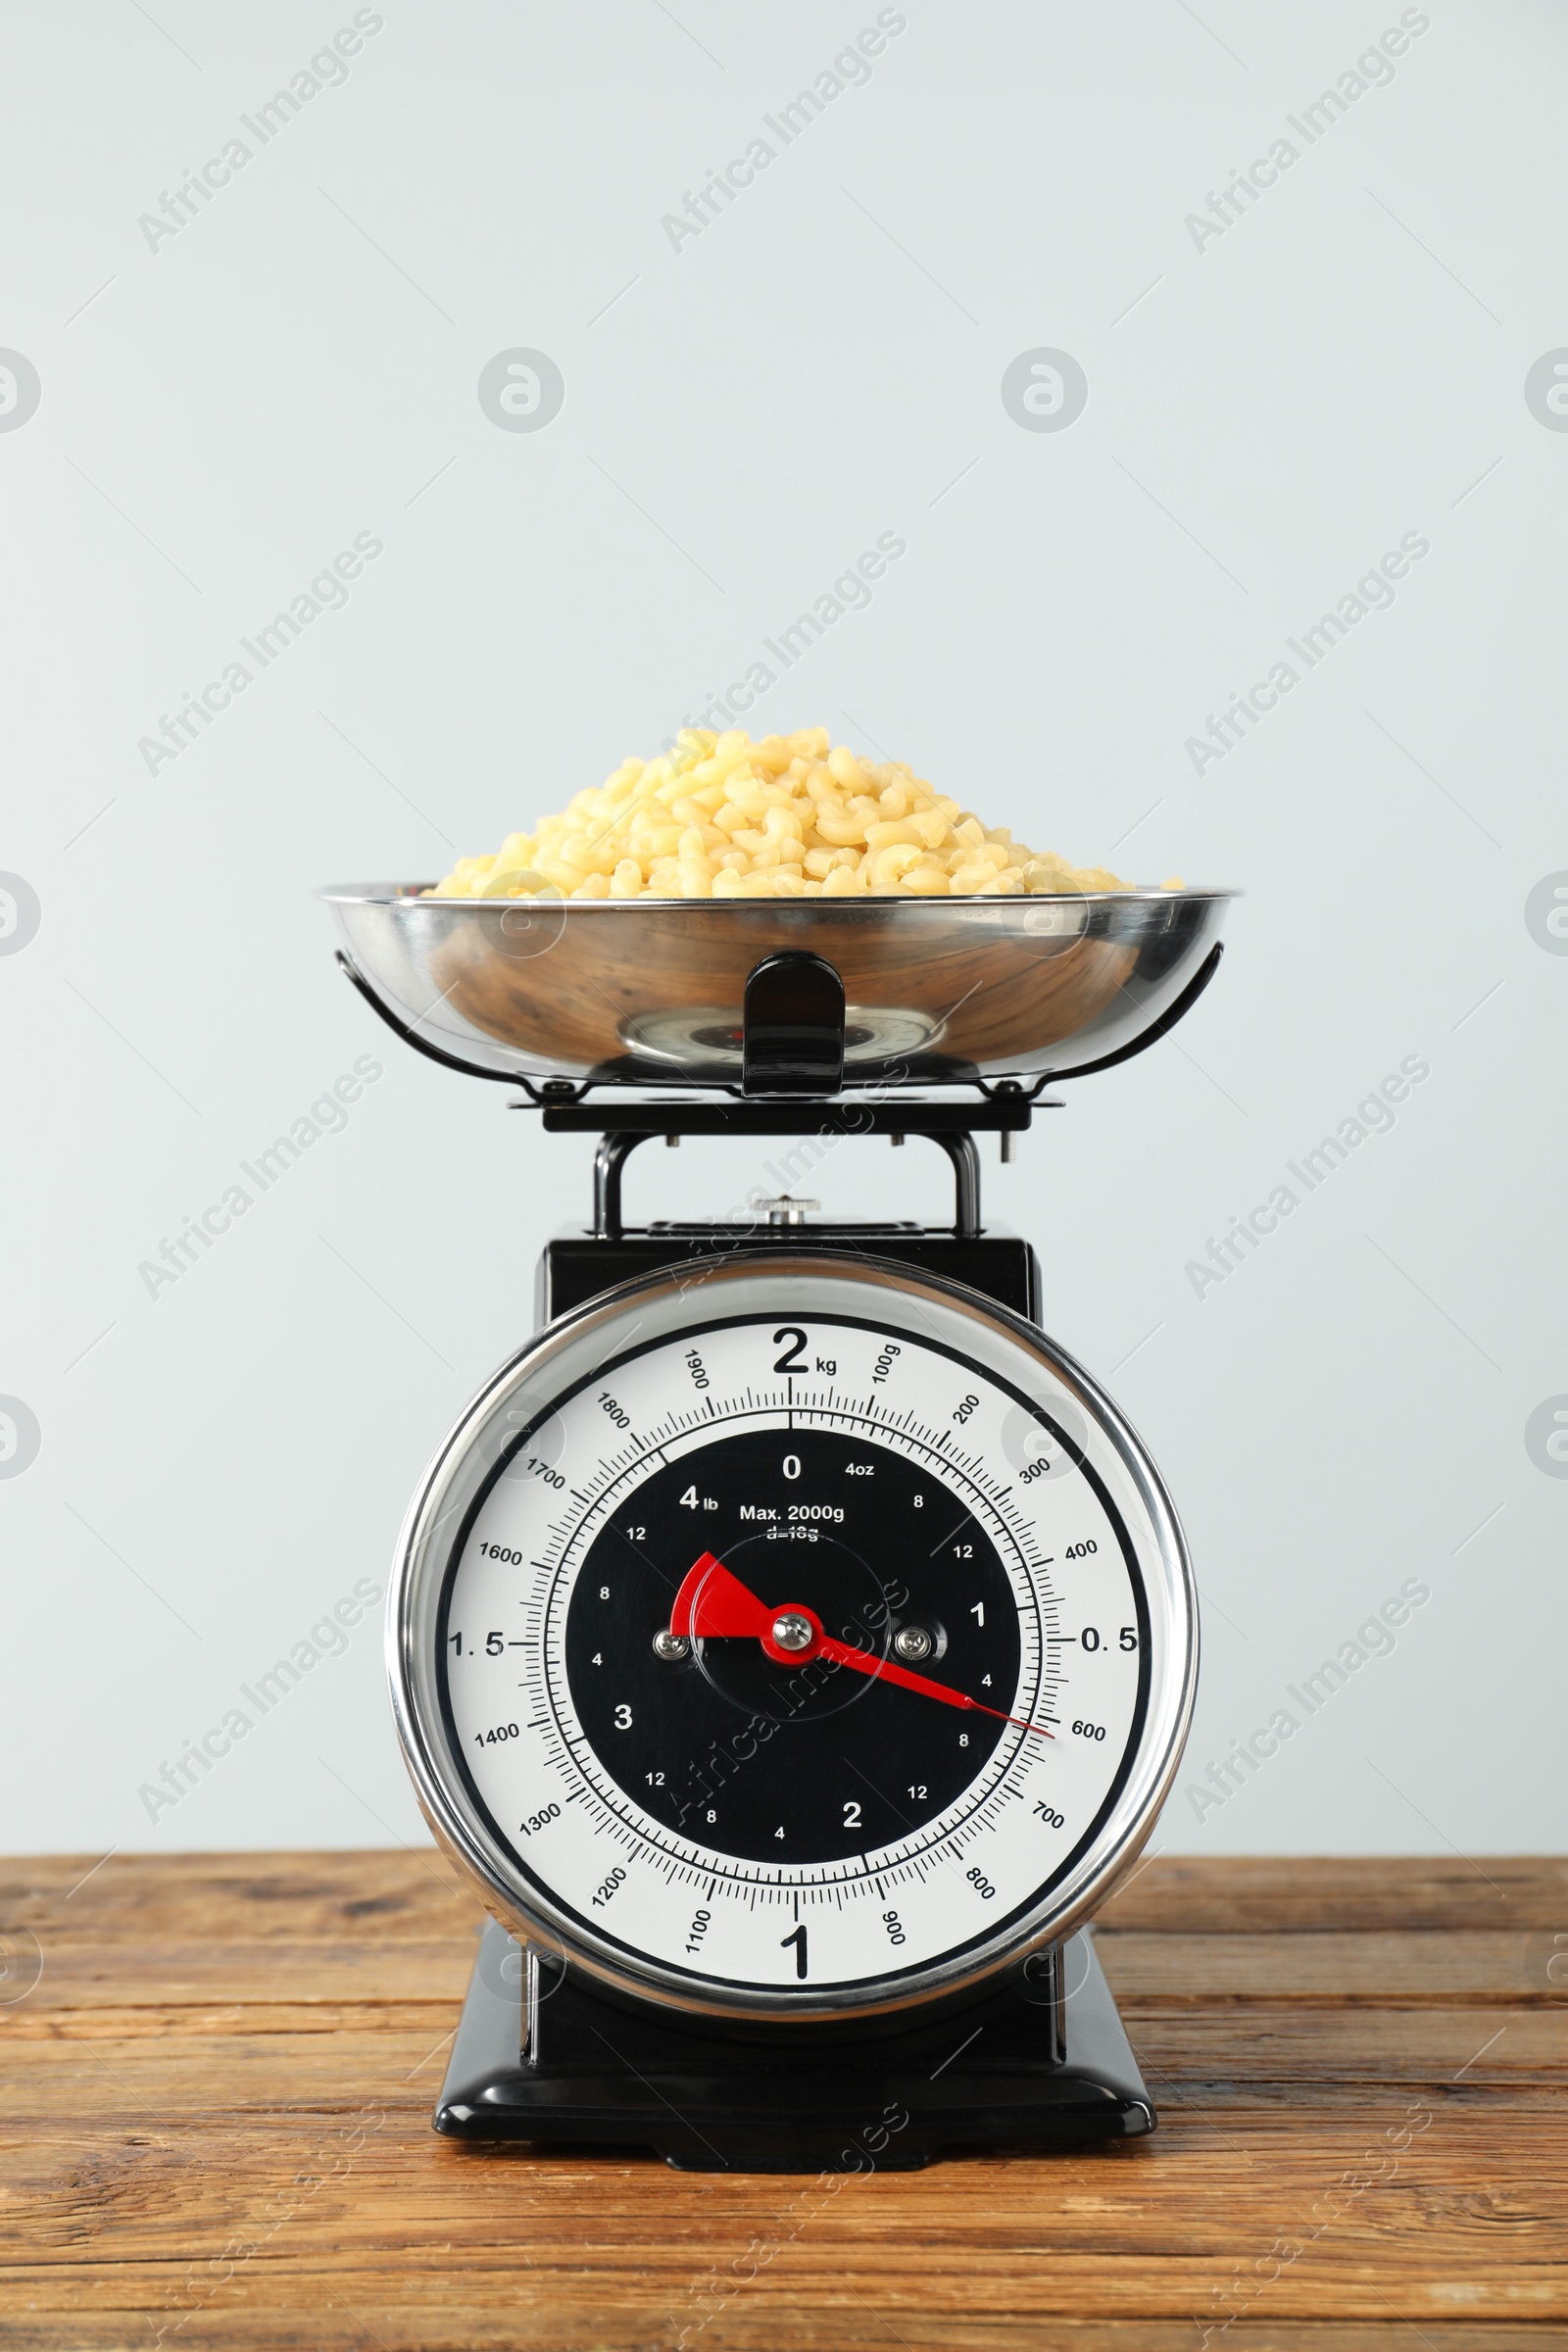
(219, 2071)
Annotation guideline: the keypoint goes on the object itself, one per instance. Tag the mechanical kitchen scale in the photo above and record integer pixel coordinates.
(791, 1643)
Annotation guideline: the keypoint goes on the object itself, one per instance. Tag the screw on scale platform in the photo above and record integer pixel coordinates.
(912, 1642)
(784, 1210)
(670, 1647)
(791, 1630)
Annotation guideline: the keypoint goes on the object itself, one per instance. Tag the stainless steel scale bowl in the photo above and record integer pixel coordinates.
(651, 990)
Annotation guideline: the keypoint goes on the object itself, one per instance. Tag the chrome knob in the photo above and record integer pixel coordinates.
(783, 1208)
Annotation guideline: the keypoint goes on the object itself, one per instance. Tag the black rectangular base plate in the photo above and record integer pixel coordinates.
(1008, 2068)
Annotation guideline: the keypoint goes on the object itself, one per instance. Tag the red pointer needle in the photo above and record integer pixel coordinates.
(713, 1602)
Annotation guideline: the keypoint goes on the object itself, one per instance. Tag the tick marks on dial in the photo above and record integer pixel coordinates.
(642, 1574)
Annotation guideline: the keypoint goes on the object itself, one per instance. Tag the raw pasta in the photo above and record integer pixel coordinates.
(720, 816)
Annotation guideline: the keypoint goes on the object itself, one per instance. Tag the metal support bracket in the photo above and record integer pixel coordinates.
(792, 1026)
(618, 1146)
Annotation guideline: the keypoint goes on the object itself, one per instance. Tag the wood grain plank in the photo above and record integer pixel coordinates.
(322, 2323)
(1381, 1964)
(1243, 1892)
(299, 1898)
(210, 1975)
(1354, 2042)
(1399, 1964)
(1111, 2225)
(37, 2021)
(185, 2076)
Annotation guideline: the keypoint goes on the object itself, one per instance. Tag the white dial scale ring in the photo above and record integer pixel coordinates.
(779, 1638)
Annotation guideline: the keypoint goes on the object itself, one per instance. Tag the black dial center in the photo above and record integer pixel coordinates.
(788, 1759)
(807, 1566)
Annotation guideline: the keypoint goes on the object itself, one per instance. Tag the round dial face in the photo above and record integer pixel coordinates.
(793, 1640)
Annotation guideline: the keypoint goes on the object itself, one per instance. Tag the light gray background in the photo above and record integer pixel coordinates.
(219, 417)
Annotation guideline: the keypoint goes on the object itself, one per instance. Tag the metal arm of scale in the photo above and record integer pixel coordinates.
(615, 1148)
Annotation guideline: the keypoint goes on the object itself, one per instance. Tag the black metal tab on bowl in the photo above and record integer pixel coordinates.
(792, 1026)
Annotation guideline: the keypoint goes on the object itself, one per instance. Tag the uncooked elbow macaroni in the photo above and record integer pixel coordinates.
(723, 817)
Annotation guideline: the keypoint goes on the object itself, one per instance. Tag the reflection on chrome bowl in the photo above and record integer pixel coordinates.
(711, 1035)
(650, 990)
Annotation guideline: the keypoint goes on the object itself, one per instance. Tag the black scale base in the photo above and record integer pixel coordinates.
(1049, 2065)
